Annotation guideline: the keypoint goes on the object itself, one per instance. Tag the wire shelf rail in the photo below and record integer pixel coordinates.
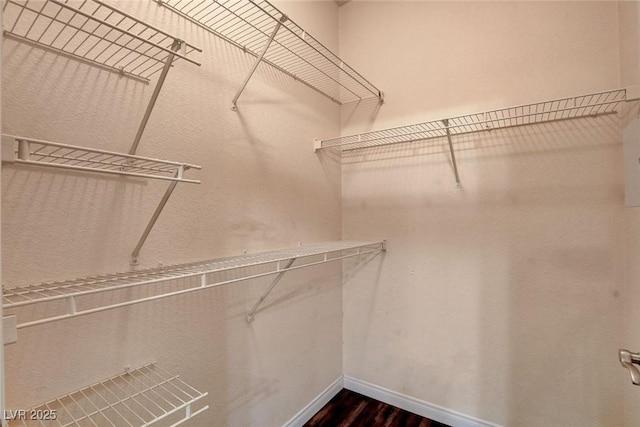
(260, 29)
(50, 154)
(139, 397)
(560, 109)
(94, 32)
(193, 276)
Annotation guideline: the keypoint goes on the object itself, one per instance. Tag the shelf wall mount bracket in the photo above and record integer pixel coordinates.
(154, 218)
(260, 58)
(628, 361)
(289, 266)
(266, 293)
(453, 153)
(178, 45)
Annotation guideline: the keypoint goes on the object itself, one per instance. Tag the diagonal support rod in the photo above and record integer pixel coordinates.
(268, 291)
(258, 61)
(136, 252)
(453, 154)
(176, 46)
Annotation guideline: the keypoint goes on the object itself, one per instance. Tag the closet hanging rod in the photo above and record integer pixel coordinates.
(249, 25)
(136, 397)
(94, 32)
(192, 277)
(589, 105)
(35, 152)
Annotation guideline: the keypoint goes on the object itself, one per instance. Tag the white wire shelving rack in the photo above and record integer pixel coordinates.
(589, 105)
(93, 32)
(81, 297)
(99, 34)
(145, 396)
(260, 29)
(36, 152)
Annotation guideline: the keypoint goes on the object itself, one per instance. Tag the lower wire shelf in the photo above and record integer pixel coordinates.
(145, 396)
(78, 297)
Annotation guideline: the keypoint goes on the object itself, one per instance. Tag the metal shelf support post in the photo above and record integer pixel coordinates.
(273, 284)
(175, 47)
(282, 20)
(453, 154)
(172, 186)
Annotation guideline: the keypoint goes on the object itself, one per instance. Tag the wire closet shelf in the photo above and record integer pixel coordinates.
(540, 112)
(64, 156)
(95, 32)
(138, 397)
(192, 277)
(250, 26)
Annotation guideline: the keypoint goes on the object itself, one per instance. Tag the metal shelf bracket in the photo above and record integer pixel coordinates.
(279, 23)
(175, 47)
(629, 360)
(154, 218)
(273, 284)
(288, 266)
(453, 154)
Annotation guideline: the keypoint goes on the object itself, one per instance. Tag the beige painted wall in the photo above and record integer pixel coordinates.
(631, 339)
(629, 13)
(2, 385)
(502, 299)
(262, 188)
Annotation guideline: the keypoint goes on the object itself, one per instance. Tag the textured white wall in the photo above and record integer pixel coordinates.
(502, 299)
(262, 188)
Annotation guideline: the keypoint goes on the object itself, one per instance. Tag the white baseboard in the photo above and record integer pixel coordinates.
(411, 404)
(315, 405)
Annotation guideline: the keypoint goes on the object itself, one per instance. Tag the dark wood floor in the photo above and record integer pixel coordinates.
(348, 408)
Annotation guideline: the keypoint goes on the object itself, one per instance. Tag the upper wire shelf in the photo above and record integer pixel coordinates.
(560, 109)
(249, 25)
(51, 154)
(138, 397)
(191, 277)
(94, 32)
